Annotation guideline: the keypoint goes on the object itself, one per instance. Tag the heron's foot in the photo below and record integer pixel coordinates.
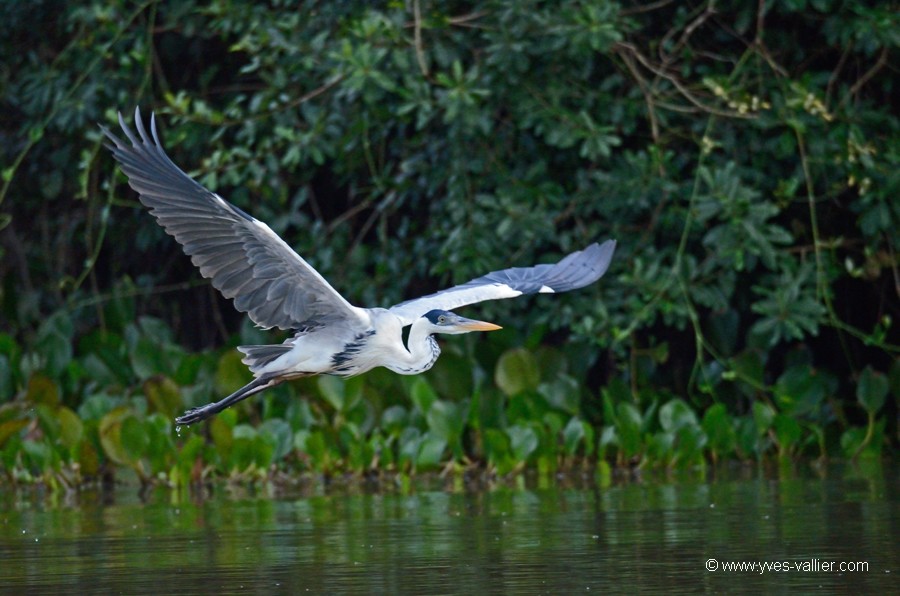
(198, 414)
(195, 415)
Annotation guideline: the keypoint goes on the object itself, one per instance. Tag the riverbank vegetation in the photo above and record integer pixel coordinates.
(743, 155)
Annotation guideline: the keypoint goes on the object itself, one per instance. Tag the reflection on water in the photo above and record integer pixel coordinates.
(649, 535)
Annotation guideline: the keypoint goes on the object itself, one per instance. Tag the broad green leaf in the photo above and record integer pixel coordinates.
(408, 442)
(523, 441)
(872, 390)
(446, 420)
(690, 443)
(452, 375)
(747, 437)
(231, 373)
(675, 414)
(99, 371)
(133, 437)
(788, 432)
(110, 430)
(563, 393)
(334, 391)
(71, 429)
(431, 451)
(163, 395)
(10, 428)
(241, 456)
(54, 343)
(37, 455)
(49, 421)
(244, 431)
(517, 371)
(42, 391)
(719, 428)
(661, 446)
(763, 416)
(155, 330)
(282, 437)
(801, 390)
(96, 406)
(300, 439)
(749, 367)
(496, 446)
(264, 448)
(393, 419)
(160, 451)
(316, 447)
(147, 359)
(573, 435)
(527, 406)
(88, 459)
(629, 428)
(422, 395)
(222, 434)
(608, 438)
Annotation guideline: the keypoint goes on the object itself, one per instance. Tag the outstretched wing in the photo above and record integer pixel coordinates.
(574, 271)
(242, 256)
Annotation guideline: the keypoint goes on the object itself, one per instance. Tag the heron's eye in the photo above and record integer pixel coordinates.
(442, 319)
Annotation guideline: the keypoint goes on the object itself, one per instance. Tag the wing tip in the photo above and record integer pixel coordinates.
(605, 255)
(583, 267)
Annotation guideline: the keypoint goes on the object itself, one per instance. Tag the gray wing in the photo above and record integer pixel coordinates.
(242, 256)
(574, 271)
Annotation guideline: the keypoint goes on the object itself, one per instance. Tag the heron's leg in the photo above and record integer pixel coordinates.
(203, 412)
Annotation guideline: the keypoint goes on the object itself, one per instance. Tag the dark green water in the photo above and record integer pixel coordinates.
(650, 536)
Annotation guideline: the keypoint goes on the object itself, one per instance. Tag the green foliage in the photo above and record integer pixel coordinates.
(517, 371)
(872, 390)
(746, 165)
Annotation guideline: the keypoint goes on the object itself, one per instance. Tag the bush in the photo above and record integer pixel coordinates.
(744, 161)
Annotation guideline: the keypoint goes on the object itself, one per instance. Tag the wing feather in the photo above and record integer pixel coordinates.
(574, 271)
(242, 256)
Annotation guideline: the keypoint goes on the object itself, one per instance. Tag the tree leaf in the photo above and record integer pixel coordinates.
(872, 390)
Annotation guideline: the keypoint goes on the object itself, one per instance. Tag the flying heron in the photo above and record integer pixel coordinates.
(249, 263)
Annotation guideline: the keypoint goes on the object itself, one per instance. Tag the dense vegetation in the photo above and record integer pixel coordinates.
(743, 154)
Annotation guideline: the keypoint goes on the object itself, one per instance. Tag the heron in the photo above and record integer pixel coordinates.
(250, 264)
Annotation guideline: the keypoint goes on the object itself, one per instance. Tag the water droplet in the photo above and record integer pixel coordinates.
(178, 430)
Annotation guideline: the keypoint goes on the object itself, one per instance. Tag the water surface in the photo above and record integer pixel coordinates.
(653, 535)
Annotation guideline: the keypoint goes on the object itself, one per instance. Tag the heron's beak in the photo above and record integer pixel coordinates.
(473, 325)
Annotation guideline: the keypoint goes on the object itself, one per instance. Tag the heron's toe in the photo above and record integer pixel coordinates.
(190, 417)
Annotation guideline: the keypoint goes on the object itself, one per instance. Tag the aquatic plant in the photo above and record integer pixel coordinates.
(743, 155)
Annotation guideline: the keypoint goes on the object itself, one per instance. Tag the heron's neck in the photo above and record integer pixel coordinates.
(422, 350)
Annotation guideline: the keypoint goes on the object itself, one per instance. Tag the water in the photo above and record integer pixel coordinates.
(647, 536)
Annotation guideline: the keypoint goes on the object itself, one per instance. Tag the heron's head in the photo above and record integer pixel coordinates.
(444, 321)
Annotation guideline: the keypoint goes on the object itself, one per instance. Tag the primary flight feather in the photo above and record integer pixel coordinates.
(249, 263)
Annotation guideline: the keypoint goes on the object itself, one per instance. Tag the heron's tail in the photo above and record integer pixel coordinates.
(256, 357)
(252, 388)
